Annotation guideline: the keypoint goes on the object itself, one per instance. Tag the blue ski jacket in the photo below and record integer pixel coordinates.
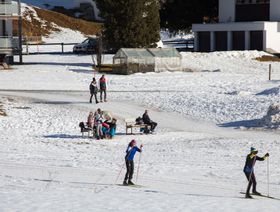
(130, 152)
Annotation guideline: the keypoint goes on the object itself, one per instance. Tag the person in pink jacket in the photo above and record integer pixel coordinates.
(90, 120)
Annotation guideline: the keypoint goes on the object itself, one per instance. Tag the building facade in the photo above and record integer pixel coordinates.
(243, 25)
(10, 33)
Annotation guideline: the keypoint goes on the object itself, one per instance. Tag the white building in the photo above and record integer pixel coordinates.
(243, 25)
(9, 42)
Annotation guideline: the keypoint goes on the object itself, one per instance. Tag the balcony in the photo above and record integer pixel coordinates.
(8, 9)
(9, 45)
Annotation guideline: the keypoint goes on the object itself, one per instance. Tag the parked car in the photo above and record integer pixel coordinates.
(87, 46)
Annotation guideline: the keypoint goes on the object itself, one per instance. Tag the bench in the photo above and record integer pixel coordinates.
(86, 129)
(130, 124)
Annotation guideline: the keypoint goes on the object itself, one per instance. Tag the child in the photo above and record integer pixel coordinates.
(249, 170)
(90, 120)
(130, 153)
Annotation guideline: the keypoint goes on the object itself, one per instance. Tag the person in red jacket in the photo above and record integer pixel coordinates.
(103, 88)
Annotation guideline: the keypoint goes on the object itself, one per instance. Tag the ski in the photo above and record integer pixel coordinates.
(134, 186)
(261, 195)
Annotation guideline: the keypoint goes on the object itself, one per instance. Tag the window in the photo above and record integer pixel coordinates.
(252, 10)
(252, 2)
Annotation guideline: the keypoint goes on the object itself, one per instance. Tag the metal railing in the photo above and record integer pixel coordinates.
(60, 47)
(9, 9)
(181, 45)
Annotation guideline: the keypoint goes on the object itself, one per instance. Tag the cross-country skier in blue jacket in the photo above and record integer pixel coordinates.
(130, 153)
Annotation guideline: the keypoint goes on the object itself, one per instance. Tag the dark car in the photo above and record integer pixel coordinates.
(87, 46)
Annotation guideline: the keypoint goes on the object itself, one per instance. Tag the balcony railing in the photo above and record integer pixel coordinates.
(9, 43)
(9, 9)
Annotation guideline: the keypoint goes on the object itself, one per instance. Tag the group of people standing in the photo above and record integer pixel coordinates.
(104, 127)
(101, 87)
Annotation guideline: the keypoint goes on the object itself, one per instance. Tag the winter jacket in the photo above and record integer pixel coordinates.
(90, 121)
(102, 83)
(250, 162)
(97, 119)
(130, 152)
(93, 88)
(146, 118)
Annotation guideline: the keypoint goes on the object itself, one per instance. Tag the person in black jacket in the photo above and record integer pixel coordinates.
(93, 90)
(249, 170)
(148, 121)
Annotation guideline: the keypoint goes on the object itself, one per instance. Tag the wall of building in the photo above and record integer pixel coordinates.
(274, 10)
(227, 11)
(272, 37)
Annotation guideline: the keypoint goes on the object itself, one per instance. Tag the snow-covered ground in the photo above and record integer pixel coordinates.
(193, 163)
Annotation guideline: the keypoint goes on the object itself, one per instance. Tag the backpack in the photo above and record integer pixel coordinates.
(139, 120)
(82, 126)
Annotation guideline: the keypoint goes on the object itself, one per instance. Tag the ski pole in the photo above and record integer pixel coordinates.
(138, 167)
(268, 177)
(119, 174)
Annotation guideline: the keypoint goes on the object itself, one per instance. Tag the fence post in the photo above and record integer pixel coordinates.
(27, 50)
(270, 69)
(62, 47)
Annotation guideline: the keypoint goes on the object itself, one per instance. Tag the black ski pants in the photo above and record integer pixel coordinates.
(95, 96)
(129, 170)
(251, 181)
(153, 125)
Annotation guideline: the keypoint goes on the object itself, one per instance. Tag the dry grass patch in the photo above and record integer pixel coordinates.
(2, 111)
(268, 58)
(105, 68)
(85, 27)
(44, 22)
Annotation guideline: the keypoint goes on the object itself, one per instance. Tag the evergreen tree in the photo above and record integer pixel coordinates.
(130, 23)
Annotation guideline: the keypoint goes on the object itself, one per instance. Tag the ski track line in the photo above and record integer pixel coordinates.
(122, 110)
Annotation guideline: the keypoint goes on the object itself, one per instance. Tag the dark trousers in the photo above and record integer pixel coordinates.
(153, 125)
(105, 94)
(251, 181)
(95, 96)
(129, 169)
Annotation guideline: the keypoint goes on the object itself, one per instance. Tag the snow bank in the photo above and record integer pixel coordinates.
(166, 35)
(272, 118)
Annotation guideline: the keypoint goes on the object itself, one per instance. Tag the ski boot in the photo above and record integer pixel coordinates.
(257, 193)
(125, 183)
(248, 196)
(130, 182)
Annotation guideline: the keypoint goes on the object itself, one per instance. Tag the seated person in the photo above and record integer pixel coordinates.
(109, 128)
(148, 121)
(113, 127)
(90, 120)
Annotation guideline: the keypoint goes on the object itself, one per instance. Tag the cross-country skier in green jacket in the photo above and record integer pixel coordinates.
(249, 170)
